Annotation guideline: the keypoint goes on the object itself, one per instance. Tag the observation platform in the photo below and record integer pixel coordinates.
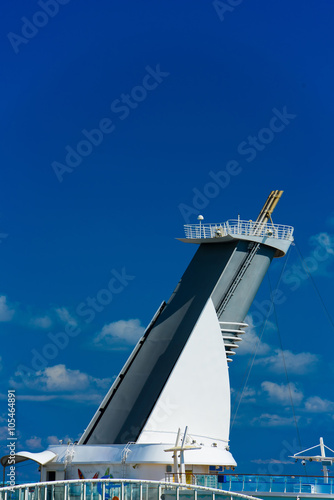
(274, 235)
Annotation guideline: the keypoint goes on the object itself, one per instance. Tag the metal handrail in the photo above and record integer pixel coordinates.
(235, 474)
(237, 227)
(123, 482)
(280, 483)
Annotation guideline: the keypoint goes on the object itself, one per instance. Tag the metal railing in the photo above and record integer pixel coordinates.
(116, 489)
(236, 227)
(262, 483)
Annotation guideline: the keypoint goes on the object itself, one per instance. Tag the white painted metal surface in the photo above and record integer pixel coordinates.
(230, 334)
(199, 381)
(42, 458)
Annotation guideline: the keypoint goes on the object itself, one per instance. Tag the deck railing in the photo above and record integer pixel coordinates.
(116, 489)
(262, 483)
(236, 227)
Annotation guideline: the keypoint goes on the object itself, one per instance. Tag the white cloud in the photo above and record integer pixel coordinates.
(248, 392)
(34, 442)
(65, 316)
(268, 420)
(36, 397)
(249, 395)
(315, 404)
(126, 332)
(321, 257)
(280, 393)
(52, 440)
(6, 313)
(251, 341)
(41, 322)
(92, 398)
(59, 379)
(299, 364)
(271, 461)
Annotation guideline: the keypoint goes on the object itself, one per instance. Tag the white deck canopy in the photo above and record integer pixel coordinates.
(41, 458)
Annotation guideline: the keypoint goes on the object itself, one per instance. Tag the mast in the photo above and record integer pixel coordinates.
(325, 461)
(323, 454)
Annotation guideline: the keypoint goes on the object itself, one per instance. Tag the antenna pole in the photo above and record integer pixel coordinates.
(323, 454)
(182, 464)
(176, 465)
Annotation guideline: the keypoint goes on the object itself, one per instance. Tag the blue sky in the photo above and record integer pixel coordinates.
(121, 122)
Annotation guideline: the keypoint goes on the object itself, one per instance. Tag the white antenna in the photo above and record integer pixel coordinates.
(325, 461)
(200, 218)
(181, 448)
